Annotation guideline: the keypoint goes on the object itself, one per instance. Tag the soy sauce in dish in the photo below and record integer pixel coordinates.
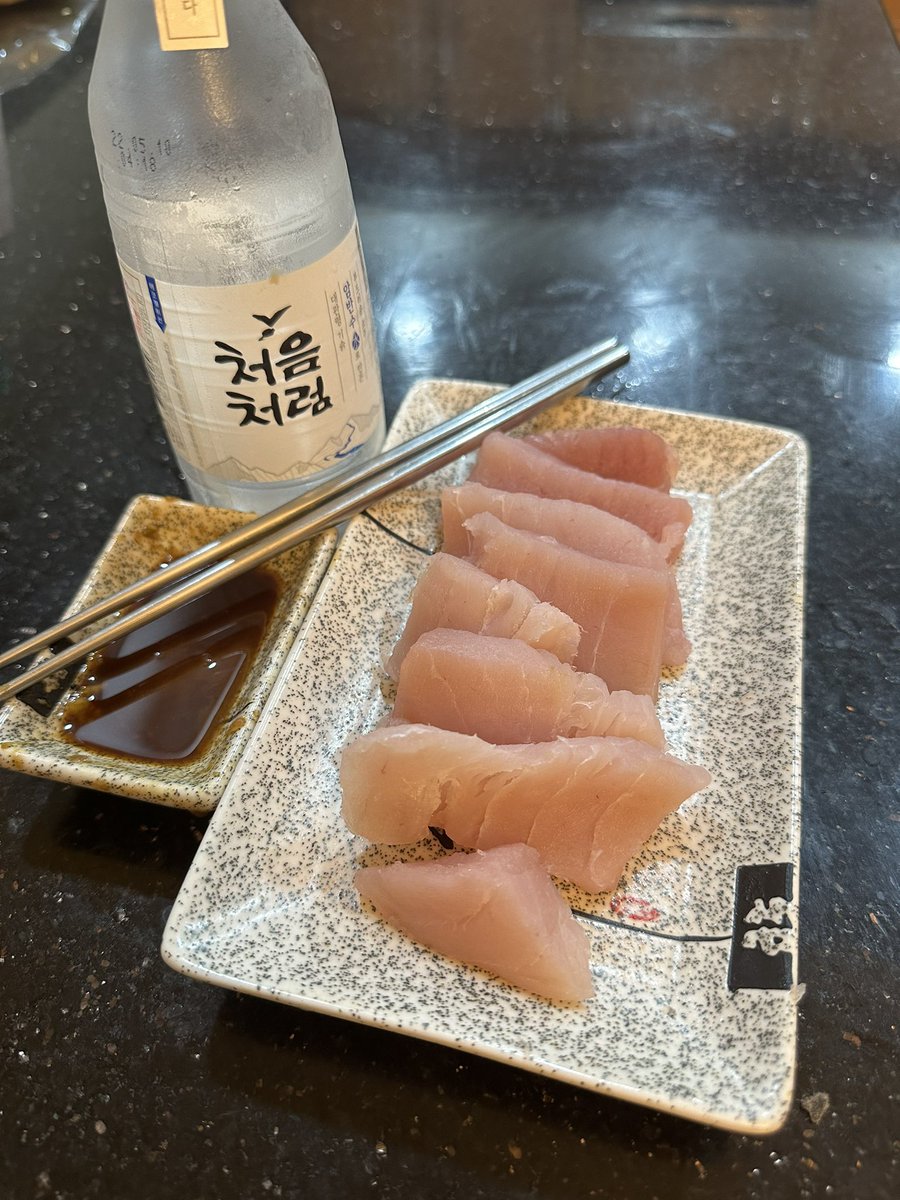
(156, 694)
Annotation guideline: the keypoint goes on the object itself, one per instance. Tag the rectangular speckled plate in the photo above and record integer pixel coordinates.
(694, 954)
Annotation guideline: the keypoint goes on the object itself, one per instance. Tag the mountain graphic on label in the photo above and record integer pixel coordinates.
(343, 445)
(233, 468)
(335, 449)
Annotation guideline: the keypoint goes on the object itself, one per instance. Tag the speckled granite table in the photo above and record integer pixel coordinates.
(717, 184)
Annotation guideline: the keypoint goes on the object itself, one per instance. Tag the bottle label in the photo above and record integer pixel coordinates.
(265, 381)
(191, 24)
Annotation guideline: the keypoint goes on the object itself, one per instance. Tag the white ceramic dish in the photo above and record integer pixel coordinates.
(153, 529)
(695, 1011)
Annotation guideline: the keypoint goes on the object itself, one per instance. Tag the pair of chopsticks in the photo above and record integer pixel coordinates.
(309, 515)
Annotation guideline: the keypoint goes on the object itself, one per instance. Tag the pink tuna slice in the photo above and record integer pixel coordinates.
(621, 609)
(506, 691)
(618, 452)
(496, 909)
(452, 594)
(585, 804)
(580, 526)
(515, 465)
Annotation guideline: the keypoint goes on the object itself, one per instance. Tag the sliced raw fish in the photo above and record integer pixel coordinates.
(453, 594)
(618, 452)
(621, 609)
(585, 804)
(497, 909)
(515, 465)
(581, 526)
(506, 691)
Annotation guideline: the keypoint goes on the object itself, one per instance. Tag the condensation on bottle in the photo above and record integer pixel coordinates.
(231, 211)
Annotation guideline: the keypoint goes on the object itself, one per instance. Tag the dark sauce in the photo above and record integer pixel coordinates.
(156, 693)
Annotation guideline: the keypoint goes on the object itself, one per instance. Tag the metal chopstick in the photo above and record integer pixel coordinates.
(351, 500)
(253, 530)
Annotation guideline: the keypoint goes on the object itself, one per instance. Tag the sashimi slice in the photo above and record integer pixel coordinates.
(496, 909)
(621, 609)
(618, 452)
(506, 691)
(453, 594)
(515, 465)
(585, 804)
(581, 526)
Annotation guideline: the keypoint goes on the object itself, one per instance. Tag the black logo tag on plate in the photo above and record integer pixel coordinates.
(762, 937)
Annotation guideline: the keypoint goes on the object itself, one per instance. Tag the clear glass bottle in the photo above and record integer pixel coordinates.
(231, 211)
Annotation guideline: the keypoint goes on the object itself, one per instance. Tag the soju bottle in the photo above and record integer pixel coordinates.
(233, 220)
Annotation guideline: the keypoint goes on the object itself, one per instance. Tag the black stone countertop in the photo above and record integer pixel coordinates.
(718, 185)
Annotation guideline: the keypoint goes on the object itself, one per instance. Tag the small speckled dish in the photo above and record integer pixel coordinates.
(154, 529)
(693, 954)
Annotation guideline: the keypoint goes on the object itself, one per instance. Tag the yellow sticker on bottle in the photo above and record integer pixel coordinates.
(191, 24)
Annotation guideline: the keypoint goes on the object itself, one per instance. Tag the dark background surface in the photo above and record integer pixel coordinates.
(722, 192)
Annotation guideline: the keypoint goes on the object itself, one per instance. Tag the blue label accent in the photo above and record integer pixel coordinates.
(348, 433)
(154, 300)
